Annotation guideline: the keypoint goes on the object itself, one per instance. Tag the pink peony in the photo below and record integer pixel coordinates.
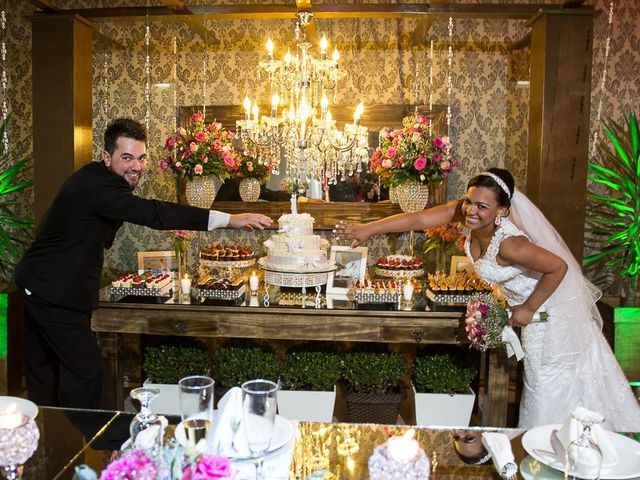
(200, 136)
(197, 169)
(208, 467)
(193, 147)
(391, 152)
(438, 142)
(197, 117)
(420, 163)
(446, 165)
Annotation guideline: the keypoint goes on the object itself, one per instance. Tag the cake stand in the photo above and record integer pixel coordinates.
(296, 279)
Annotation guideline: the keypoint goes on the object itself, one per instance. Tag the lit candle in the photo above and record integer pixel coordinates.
(185, 284)
(254, 282)
(287, 58)
(407, 291)
(358, 114)
(323, 47)
(270, 49)
(275, 101)
(247, 108)
(336, 56)
(10, 418)
(403, 449)
(255, 112)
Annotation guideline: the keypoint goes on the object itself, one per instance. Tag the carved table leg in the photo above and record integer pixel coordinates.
(111, 346)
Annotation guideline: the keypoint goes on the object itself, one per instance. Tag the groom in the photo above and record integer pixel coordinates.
(59, 274)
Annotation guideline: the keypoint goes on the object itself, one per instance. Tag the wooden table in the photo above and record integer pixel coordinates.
(112, 319)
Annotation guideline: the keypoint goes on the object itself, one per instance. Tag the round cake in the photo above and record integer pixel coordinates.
(295, 247)
(399, 266)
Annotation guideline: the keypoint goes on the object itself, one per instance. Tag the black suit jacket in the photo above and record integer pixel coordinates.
(64, 262)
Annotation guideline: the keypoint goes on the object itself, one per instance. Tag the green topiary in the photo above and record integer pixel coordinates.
(310, 370)
(170, 363)
(369, 372)
(441, 373)
(234, 365)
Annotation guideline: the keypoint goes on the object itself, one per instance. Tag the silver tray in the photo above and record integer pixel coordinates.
(221, 294)
(452, 298)
(165, 291)
(295, 279)
(361, 297)
(249, 262)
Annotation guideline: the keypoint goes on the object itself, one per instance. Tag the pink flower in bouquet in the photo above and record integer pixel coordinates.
(485, 320)
(438, 142)
(386, 163)
(420, 163)
(197, 117)
(163, 165)
(131, 466)
(200, 136)
(197, 169)
(208, 467)
(391, 152)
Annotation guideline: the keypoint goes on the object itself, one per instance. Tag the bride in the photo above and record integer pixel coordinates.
(568, 361)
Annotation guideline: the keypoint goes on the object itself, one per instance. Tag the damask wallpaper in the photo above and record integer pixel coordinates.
(489, 104)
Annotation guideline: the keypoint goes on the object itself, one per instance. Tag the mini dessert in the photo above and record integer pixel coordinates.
(460, 282)
(399, 262)
(226, 253)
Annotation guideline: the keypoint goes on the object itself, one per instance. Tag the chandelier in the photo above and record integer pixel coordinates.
(300, 127)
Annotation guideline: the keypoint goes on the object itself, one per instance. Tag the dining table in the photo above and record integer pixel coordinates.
(70, 438)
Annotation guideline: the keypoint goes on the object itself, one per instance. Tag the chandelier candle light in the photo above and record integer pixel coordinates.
(303, 130)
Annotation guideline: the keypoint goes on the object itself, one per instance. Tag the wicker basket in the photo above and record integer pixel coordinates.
(373, 407)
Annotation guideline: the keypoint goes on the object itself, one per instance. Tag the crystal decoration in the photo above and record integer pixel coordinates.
(200, 192)
(249, 189)
(17, 445)
(412, 196)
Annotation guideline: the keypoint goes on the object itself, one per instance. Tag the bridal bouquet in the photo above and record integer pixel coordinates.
(486, 325)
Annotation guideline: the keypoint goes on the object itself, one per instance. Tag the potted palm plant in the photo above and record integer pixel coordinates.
(613, 223)
(15, 234)
(442, 390)
(165, 365)
(309, 380)
(373, 386)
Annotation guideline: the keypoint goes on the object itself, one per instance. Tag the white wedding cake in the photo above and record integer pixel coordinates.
(295, 247)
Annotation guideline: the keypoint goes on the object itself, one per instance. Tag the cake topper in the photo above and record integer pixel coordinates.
(294, 206)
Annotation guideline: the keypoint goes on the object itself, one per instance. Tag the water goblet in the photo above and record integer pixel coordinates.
(196, 405)
(258, 417)
(145, 418)
(583, 458)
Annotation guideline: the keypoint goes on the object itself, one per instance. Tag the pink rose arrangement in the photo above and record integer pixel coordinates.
(200, 150)
(253, 162)
(485, 320)
(180, 239)
(137, 465)
(411, 153)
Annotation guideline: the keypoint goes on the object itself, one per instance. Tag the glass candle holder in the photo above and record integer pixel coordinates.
(17, 445)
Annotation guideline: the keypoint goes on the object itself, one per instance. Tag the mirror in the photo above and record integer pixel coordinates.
(326, 214)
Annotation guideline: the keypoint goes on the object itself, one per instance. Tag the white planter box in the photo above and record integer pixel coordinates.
(168, 401)
(306, 406)
(443, 409)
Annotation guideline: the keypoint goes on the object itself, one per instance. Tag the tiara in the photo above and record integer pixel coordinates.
(499, 181)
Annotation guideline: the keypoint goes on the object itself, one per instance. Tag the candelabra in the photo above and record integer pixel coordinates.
(304, 132)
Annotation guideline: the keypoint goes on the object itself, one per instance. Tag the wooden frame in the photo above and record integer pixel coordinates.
(459, 263)
(158, 262)
(351, 265)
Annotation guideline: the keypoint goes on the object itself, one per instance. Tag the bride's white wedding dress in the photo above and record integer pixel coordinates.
(555, 383)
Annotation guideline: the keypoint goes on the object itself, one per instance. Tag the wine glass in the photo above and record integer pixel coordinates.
(583, 458)
(145, 418)
(258, 417)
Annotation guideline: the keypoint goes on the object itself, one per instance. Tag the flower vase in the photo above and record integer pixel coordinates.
(200, 191)
(412, 196)
(393, 194)
(181, 258)
(249, 189)
(441, 260)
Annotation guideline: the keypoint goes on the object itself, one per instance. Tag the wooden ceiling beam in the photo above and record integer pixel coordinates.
(360, 10)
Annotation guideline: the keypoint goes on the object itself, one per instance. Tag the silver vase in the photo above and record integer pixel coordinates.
(200, 191)
(412, 196)
(249, 189)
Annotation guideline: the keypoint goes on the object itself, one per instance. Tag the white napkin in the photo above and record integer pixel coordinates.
(146, 438)
(571, 429)
(228, 435)
(499, 446)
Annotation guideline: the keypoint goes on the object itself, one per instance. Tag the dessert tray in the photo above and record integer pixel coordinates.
(221, 256)
(379, 291)
(454, 290)
(165, 291)
(221, 294)
(399, 266)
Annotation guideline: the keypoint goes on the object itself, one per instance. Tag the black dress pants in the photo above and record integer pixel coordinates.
(63, 363)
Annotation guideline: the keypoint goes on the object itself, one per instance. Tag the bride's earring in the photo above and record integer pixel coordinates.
(498, 220)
